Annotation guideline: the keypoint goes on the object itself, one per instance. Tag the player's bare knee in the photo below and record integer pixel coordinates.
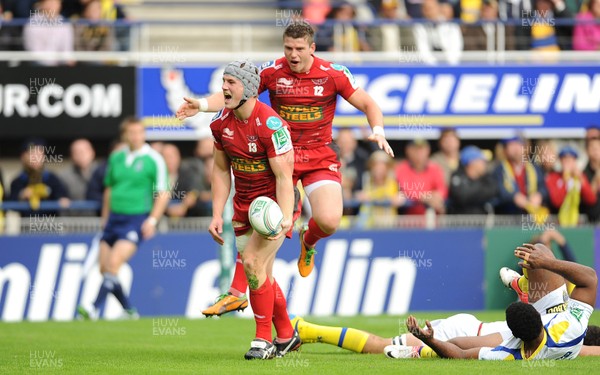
(328, 223)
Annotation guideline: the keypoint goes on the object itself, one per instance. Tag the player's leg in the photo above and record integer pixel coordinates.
(121, 252)
(235, 299)
(546, 290)
(287, 339)
(344, 337)
(91, 311)
(326, 201)
(257, 255)
(319, 171)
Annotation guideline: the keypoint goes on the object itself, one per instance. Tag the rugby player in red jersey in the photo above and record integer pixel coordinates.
(303, 90)
(254, 143)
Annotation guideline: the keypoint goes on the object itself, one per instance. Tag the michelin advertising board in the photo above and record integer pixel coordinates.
(356, 273)
(411, 98)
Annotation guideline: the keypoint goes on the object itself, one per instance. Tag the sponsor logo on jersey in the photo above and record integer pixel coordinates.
(252, 138)
(300, 113)
(285, 81)
(323, 68)
(249, 165)
(282, 141)
(561, 307)
(274, 123)
(228, 133)
(320, 81)
(576, 311)
(258, 123)
(333, 167)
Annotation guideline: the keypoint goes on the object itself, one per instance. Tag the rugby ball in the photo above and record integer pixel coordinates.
(265, 216)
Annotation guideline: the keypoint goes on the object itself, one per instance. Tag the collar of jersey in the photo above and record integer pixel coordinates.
(537, 351)
(130, 156)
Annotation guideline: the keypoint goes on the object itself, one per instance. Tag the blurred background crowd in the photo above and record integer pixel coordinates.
(423, 26)
(447, 177)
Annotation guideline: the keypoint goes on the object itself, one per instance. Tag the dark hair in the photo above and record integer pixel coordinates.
(592, 337)
(524, 321)
(300, 29)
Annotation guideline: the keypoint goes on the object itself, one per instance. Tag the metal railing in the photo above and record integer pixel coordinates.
(52, 224)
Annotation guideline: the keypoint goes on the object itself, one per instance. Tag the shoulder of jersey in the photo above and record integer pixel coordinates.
(221, 115)
(272, 65)
(267, 118)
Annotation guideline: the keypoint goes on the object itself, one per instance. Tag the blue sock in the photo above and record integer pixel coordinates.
(106, 287)
(118, 292)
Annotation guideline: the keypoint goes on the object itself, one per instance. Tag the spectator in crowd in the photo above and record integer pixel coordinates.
(448, 157)
(35, 184)
(482, 37)
(586, 36)
(420, 180)
(196, 176)
(354, 157)
(545, 155)
(545, 34)
(48, 33)
(592, 173)
(353, 161)
(95, 188)
(472, 188)
(521, 183)
(19, 8)
(592, 131)
(93, 37)
(549, 236)
(315, 11)
(569, 188)
(352, 38)
(77, 176)
(390, 37)
(157, 146)
(379, 186)
(437, 34)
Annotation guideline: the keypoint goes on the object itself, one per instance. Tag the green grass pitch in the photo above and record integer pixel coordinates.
(216, 346)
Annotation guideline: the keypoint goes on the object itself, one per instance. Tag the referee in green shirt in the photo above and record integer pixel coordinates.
(135, 198)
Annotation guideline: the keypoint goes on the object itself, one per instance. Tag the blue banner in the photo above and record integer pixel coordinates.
(411, 98)
(368, 273)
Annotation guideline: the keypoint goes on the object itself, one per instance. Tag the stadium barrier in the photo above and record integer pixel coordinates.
(358, 272)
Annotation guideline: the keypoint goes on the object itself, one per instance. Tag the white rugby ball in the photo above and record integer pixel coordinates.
(265, 216)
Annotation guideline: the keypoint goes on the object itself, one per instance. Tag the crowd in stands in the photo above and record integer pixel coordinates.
(48, 30)
(340, 25)
(528, 25)
(521, 177)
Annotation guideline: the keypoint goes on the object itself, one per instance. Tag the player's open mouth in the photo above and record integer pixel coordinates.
(227, 97)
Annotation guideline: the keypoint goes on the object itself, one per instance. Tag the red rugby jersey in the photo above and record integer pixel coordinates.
(249, 144)
(307, 100)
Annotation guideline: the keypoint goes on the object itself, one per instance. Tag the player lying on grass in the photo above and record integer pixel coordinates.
(551, 336)
(253, 143)
(303, 90)
(464, 330)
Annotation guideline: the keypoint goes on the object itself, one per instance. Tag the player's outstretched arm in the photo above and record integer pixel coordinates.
(191, 106)
(221, 185)
(584, 277)
(362, 101)
(443, 349)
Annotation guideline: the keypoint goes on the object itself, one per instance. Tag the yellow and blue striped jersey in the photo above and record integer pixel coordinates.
(563, 337)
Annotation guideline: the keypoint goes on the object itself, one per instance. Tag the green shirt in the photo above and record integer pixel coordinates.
(134, 179)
